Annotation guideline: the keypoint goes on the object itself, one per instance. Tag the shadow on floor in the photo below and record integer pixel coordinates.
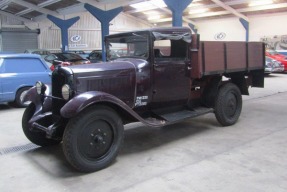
(137, 139)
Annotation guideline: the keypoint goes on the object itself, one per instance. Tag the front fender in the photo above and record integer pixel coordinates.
(82, 101)
(35, 98)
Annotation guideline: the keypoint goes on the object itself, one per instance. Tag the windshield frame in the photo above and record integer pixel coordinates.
(127, 39)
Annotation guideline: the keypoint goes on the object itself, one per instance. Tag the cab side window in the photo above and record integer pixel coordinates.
(170, 49)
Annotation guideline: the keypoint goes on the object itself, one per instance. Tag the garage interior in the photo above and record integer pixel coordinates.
(194, 155)
(234, 19)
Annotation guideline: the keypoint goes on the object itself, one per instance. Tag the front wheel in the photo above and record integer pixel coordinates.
(228, 104)
(93, 138)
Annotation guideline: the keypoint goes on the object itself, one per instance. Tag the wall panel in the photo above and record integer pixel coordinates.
(89, 29)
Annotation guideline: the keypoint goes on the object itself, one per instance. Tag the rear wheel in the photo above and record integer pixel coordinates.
(20, 97)
(36, 137)
(93, 138)
(228, 104)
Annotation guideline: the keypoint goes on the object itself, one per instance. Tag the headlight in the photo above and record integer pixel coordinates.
(66, 92)
(40, 87)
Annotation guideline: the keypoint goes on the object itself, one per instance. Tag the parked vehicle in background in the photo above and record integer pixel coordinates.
(277, 56)
(96, 56)
(79, 52)
(55, 63)
(268, 68)
(18, 73)
(272, 65)
(65, 59)
(42, 52)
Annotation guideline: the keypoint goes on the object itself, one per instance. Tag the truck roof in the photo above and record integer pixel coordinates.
(165, 30)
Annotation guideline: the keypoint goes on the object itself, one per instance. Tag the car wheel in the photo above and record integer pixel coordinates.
(228, 104)
(93, 138)
(20, 97)
(36, 137)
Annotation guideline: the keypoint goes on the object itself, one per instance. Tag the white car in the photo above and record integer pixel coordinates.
(42, 52)
(271, 65)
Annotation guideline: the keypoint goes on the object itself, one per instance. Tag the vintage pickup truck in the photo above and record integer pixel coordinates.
(157, 76)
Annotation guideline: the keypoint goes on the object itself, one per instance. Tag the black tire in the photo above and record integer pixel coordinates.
(228, 104)
(93, 138)
(20, 96)
(36, 137)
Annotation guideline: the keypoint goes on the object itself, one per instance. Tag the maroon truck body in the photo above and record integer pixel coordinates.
(227, 57)
(158, 77)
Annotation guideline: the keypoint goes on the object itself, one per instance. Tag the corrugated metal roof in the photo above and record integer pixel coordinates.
(152, 11)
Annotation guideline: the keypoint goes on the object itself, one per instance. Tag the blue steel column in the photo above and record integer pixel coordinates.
(64, 25)
(246, 26)
(104, 17)
(177, 7)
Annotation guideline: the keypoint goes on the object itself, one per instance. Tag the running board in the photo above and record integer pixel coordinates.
(185, 114)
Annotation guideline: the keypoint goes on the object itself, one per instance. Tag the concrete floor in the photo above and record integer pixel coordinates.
(195, 155)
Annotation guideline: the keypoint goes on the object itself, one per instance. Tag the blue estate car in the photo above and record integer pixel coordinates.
(18, 73)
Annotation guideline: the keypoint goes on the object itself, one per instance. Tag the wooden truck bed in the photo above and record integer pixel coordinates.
(210, 57)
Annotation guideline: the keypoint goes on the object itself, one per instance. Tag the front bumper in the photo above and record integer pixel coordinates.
(43, 118)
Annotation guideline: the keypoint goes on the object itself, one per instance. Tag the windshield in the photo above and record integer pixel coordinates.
(130, 45)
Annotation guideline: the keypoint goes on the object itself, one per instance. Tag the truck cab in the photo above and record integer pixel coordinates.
(163, 66)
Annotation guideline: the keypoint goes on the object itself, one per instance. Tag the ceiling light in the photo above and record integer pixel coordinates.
(158, 3)
(162, 20)
(151, 13)
(197, 11)
(140, 5)
(155, 17)
(261, 2)
(195, 4)
(149, 5)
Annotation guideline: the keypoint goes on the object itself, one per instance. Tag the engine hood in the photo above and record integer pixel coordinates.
(125, 64)
(117, 78)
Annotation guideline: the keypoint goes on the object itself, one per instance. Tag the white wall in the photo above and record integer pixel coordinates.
(232, 27)
(89, 28)
(259, 26)
(271, 25)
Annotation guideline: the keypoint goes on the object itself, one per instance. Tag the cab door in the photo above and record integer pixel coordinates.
(170, 80)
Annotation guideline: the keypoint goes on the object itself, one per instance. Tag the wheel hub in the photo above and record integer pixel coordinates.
(97, 139)
(231, 104)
